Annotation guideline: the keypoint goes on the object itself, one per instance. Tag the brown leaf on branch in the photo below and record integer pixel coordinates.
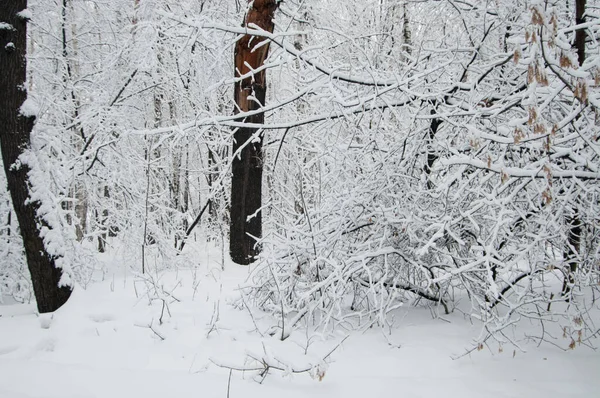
(536, 17)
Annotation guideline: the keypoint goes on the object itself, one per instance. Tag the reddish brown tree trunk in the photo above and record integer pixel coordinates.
(15, 130)
(247, 167)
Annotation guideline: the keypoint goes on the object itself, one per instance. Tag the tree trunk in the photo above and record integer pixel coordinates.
(580, 34)
(247, 167)
(103, 221)
(574, 224)
(71, 74)
(15, 130)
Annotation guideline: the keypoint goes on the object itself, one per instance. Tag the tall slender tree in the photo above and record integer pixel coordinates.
(247, 166)
(575, 227)
(16, 123)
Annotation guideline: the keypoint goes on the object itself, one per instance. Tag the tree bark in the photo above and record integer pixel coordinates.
(15, 131)
(574, 224)
(580, 34)
(247, 167)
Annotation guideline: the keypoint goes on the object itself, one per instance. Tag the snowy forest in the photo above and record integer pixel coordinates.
(227, 198)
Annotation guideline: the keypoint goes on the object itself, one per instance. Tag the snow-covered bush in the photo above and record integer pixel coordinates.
(470, 174)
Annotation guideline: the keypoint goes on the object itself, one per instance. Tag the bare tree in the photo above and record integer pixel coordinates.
(247, 165)
(575, 227)
(16, 122)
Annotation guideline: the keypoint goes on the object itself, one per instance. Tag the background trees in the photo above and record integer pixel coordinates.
(441, 152)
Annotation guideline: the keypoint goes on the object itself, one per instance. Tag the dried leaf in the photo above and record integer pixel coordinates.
(536, 16)
(530, 74)
(546, 197)
(517, 56)
(548, 172)
(583, 92)
(518, 135)
(565, 61)
(541, 77)
(532, 116)
(539, 128)
(547, 144)
(554, 23)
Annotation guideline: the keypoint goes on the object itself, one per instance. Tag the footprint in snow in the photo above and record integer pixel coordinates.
(8, 349)
(101, 318)
(47, 345)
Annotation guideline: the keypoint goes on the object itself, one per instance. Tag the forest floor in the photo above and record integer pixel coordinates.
(163, 336)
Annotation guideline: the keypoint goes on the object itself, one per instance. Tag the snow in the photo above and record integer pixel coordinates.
(105, 343)
(6, 26)
(30, 108)
(25, 14)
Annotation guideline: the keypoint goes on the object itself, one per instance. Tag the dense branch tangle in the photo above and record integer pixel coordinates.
(450, 161)
(423, 149)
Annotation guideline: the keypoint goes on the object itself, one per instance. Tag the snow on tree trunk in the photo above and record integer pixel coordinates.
(16, 120)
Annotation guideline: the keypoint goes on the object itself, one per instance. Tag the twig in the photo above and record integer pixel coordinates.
(191, 228)
(229, 382)
(266, 366)
(154, 331)
(214, 318)
(251, 315)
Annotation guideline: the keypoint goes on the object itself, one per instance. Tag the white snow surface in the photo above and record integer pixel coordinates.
(6, 26)
(104, 343)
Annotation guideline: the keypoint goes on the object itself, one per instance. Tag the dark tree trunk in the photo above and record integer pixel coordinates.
(103, 221)
(247, 167)
(572, 250)
(431, 156)
(15, 130)
(580, 34)
(575, 226)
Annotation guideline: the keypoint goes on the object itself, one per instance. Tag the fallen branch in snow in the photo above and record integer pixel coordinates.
(512, 284)
(214, 318)
(149, 326)
(413, 289)
(265, 363)
(160, 336)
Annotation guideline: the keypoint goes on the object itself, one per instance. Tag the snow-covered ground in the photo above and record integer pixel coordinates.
(123, 337)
